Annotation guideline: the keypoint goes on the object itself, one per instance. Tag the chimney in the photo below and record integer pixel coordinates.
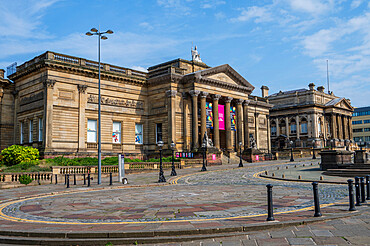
(321, 89)
(311, 86)
(2, 71)
(265, 91)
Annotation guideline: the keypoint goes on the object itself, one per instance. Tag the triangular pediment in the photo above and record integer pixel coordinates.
(223, 74)
(340, 103)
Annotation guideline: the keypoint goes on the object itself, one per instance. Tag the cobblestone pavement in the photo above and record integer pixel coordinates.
(223, 197)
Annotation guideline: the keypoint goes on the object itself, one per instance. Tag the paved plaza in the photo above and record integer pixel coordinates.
(199, 207)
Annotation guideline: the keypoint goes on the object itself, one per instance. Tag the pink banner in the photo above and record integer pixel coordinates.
(221, 116)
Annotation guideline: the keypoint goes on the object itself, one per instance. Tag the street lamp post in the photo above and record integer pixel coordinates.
(173, 172)
(313, 149)
(100, 35)
(240, 149)
(291, 151)
(161, 176)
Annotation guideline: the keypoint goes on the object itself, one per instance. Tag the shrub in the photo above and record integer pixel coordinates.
(16, 154)
(25, 179)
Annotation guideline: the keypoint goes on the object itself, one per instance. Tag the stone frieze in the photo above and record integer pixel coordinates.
(128, 103)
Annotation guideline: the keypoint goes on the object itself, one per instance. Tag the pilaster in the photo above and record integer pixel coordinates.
(48, 112)
(82, 96)
(171, 95)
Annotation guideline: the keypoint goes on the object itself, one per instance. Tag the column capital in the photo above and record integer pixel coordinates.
(228, 99)
(82, 88)
(194, 93)
(239, 101)
(246, 102)
(204, 94)
(216, 97)
(171, 93)
(48, 83)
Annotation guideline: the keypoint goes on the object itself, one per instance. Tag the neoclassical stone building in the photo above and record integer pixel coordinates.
(52, 104)
(305, 115)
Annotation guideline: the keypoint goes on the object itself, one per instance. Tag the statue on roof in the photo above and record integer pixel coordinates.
(195, 56)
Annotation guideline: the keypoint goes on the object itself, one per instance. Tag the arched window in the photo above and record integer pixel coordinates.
(273, 128)
(320, 126)
(282, 127)
(304, 126)
(293, 127)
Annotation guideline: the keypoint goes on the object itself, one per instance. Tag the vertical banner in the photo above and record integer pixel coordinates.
(209, 115)
(221, 116)
(233, 118)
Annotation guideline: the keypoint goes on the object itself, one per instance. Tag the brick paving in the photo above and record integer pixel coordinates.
(225, 197)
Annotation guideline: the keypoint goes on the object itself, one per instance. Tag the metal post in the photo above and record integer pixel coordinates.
(368, 187)
(56, 179)
(88, 180)
(74, 179)
(240, 156)
(362, 183)
(313, 152)
(316, 199)
(99, 116)
(67, 180)
(291, 154)
(351, 198)
(173, 172)
(110, 179)
(357, 186)
(84, 178)
(204, 161)
(161, 176)
(270, 212)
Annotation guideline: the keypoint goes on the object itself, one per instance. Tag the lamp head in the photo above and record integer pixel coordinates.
(240, 143)
(104, 37)
(110, 31)
(94, 29)
(89, 34)
(173, 145)
(291, 142)
(313, 141)
(203, 145)
(160, 143)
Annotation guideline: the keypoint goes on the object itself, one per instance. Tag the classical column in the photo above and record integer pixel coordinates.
(171, 95)
(314, 126)
(339, 126)
(203, 116)
(257, 123)
(345, 127)
(216, 123)
(194, 96)
(185, 110)
(287, 126)
(268, 134)
(81, 116)
(350, 127)
(239, 122)
(333, 127)
(246, 124)
(298, 126)
(48, 112)
(228, 123)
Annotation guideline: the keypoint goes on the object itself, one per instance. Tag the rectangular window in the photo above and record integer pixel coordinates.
(293, 128)
(91, 131)
(366, 129)
(116, 135)
(304, 128)
(367, 138)
(366, 121)
(21, 130)
(357, 130)
(30, 139)
(356, 122)
(139, 133)
(158, 132)
(273, 130)
(358, 139)
(40, 129)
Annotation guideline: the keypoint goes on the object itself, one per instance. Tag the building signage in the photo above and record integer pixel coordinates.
(209, 115)
(184, 155)
(128, 103)
(221, 117)
(233, 118)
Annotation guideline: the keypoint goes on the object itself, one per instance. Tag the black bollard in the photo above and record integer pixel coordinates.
(67, 180)
(84, 178)
(88, 180)
(362, 184)
(110, 179)
(368, 187)
(74, 179)
(270, 212)
(316, 199)
(56, 179)
(357, 186)
(351, 198)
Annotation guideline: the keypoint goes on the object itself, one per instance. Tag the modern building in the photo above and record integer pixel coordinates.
(309, 117)
(361, 125)
(52, 104)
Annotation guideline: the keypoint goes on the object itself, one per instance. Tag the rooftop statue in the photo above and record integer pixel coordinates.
(195, 56)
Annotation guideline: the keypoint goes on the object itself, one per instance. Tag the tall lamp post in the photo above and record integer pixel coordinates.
(173, 172)
(161, 176)
(291, 151)
(240, 155)
(100, 35)
(204, 146)
(313, 149)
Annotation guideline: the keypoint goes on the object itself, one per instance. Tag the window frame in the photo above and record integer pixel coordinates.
(96, 131)
(21, 139)
(156, 132)
(41, 129)
(120, 132)
(30, 131)
(305, 124)
(142, 133)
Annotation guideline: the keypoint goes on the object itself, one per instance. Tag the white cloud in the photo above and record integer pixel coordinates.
(356, 3)
(313, 7)
(258, 14)
(139, 68)
(212, 4)
(146, 25)
(176, 6)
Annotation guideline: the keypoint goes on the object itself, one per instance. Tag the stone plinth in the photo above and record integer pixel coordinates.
(253, 155)
(362, 157)
(335, 159)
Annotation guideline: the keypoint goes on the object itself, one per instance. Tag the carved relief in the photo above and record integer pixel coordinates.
(48, 83)
(129, 103)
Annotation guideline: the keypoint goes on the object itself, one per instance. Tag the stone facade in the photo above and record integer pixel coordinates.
(305, 115)
(53, 105)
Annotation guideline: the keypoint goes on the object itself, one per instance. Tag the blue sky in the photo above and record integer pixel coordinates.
(283, 44)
